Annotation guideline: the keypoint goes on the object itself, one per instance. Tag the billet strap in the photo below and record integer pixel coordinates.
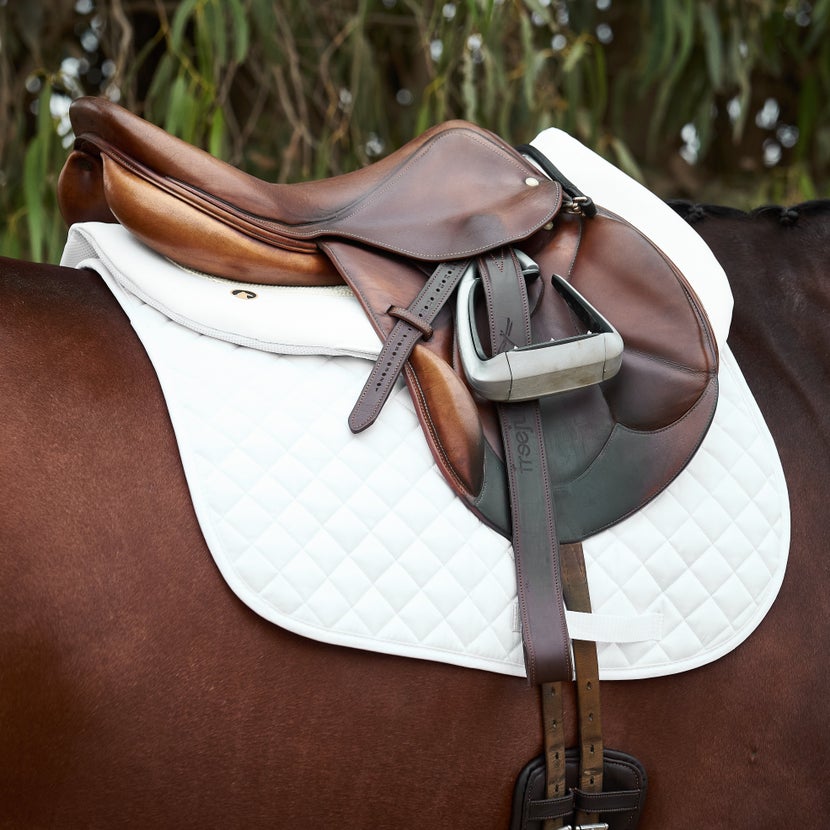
(577, 597)
(585, 800)
(535, 543)
(413, 324)
(558, 803)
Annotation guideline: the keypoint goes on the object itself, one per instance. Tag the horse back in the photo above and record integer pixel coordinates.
(136, 689)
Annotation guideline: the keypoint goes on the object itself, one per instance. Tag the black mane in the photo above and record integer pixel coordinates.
(694, 211)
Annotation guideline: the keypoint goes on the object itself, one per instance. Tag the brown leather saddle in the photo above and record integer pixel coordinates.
(562, 369)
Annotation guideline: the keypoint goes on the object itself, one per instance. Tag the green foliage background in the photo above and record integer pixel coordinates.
(298, 90)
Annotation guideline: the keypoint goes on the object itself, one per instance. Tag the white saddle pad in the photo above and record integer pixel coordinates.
(358, 541)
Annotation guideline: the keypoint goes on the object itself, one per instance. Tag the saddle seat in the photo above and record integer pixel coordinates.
(206, 214)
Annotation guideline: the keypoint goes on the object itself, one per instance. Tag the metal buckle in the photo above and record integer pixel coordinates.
(578, 205)
(542, 368)
(598, 826)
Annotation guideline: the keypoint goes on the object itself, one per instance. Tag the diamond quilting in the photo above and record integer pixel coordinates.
(367, 568)
(358, 540)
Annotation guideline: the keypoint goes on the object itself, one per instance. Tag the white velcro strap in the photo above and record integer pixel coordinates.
(613, 628)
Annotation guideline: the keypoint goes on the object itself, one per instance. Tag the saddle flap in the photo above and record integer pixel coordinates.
(611, 447)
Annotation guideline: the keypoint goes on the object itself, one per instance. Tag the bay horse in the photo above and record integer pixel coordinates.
(137, 691)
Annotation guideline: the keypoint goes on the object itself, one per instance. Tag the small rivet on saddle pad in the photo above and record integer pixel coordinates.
(531, 181)
(244, 294)
(549, 226)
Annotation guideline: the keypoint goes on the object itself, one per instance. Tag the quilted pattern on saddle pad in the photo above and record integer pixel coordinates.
(357, 540)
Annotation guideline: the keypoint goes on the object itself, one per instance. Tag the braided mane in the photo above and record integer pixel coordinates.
(695, 212)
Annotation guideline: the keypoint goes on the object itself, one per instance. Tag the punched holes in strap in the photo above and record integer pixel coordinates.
(413, 324)
(553, 723)
(575, 584)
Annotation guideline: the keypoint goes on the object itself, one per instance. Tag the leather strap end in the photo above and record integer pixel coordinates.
(362, 417)
(357, 422)
(396, 349)
(413, 324)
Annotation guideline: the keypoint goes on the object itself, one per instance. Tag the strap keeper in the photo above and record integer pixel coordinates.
(544, 809)
(414, 320)
(619, 801)
(400, 342)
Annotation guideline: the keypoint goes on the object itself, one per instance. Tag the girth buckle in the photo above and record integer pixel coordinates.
(541, 369)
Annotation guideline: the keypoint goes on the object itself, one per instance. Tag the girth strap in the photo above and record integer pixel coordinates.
(535, 543)
(575, 579)
(587, 800)
(558, 803)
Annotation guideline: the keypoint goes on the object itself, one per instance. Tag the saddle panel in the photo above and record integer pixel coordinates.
(186, 234)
